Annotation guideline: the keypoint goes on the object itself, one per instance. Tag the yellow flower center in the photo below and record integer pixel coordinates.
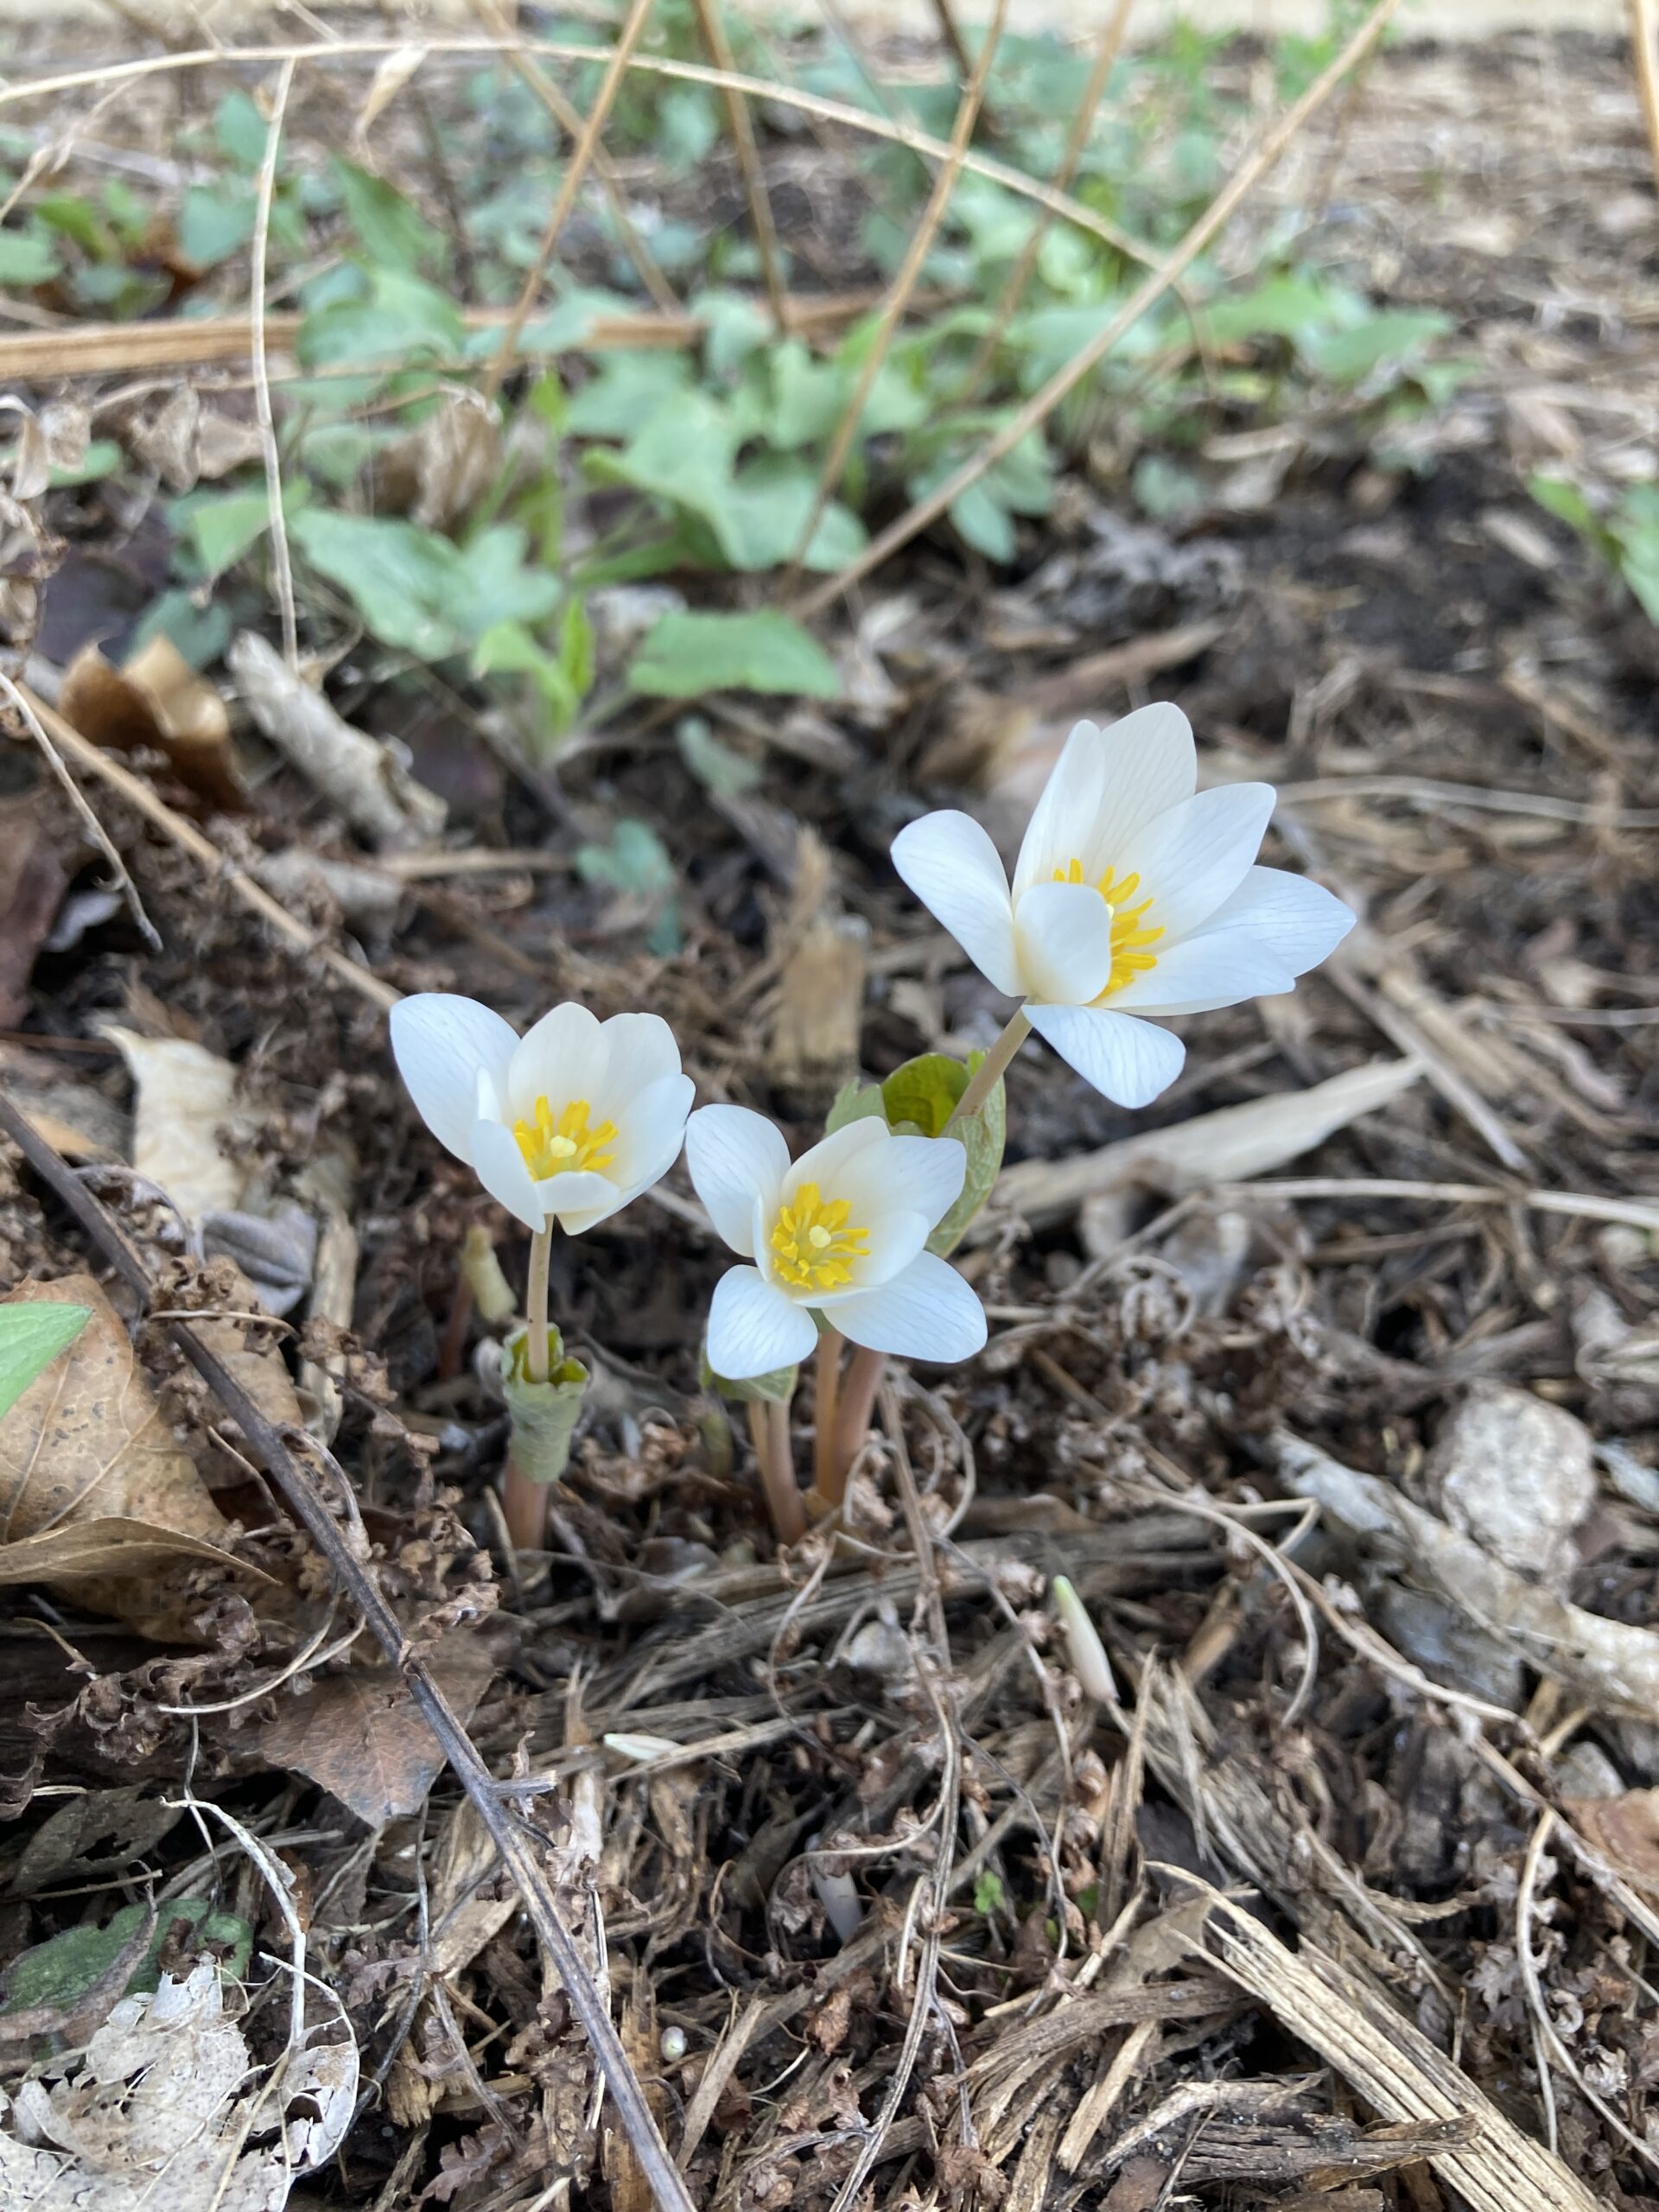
(1130, 938)
(812, 1244)
(550, 1147)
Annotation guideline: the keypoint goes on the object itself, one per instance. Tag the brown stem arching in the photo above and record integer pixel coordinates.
(858, 1387)
(769, 1431)
(991, 1069)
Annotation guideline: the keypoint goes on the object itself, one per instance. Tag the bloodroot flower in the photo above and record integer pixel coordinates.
(1135, 893)
(567, 1123)
(843, 1233)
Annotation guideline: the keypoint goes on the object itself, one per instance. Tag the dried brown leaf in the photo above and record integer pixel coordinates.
(33, 879)
(157, 703)
(361, 1736)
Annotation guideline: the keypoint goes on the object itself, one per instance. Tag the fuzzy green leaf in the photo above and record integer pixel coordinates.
(31, 1337)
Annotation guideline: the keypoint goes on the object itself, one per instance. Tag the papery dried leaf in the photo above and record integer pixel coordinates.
(158, 703)
(362, 1736)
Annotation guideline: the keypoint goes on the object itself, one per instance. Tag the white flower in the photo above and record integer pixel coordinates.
(567, 1123)
(1131, 896)
(841, 1233)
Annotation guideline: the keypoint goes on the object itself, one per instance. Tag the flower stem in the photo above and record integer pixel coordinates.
(769, 1429)
(989, 1072)
(826, 1493)
(525, 1505)
(859, 1386)
(541, 1254)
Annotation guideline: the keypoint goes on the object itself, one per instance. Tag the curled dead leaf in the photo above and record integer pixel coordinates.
(362, 1736)
(156, 702)
(97, 1498)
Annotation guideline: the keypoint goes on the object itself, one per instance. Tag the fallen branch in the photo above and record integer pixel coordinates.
(279, 1455)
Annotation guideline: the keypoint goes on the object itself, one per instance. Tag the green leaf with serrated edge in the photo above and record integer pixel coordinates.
(855, 1102)
(685, 655)
(776, 1388)
(31, 1337)
(921, 1096)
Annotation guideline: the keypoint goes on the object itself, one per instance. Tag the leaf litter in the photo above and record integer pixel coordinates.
(887, 1901)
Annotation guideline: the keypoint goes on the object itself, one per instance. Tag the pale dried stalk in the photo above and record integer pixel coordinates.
(98, 348)
(34, 715)
(1174, 265)
(568, 119)
(904, 283)
(1395, 2067)
(281, 562)
(1106, 53)
(748, 161)
(582, 155)
(1645, 38)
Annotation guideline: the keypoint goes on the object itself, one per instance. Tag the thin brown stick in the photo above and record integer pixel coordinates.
(1106, 53)
(1145, 296)
(904, 285)
(281, 561)
(950, 32)
(67, 739)
(98, 348)
(568, 119)
(748, 160)
(576, 170)
(277, 1452)
(1644, 39)
(993, 1067)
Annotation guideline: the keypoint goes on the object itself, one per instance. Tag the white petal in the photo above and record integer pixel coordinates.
(651, 1136)
(1292, 917)
(1063, 932)
(951, 865)
(580, 1198)
(753, 1329)
(562, 1058)
(442, 1044)
(1215, 968)
(738, 1161)
(640, 1049)
(1192, 856)
(1073, 801)
(927, 1311)
(922, 1175)
(500, 1168)
(827, 1163)
(1141, 765)
(1128, 1061)
(895, 1239)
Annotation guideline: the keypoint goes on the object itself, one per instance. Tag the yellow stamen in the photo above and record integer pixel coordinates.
(812, 1244)
(1130, 938)
(550, 1147)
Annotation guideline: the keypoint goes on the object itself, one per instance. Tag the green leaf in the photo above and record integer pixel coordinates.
(855, 1102)
(776, 1388)
(399, 577)
(77, 219)
(686, 654)
(31, 1337)
(494, 584)
(988, 1894)
(102, 458)
(222, 526)
(26, 257)
(392, 230)
(922, 1095)
(576, 648)
(397, 317)
(64, 1969)
(241, 130)
(984, 524)
(215, 223)
(637, 861)
(717, 766)
(1392, 336)
(200, 633)
(626, 392)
